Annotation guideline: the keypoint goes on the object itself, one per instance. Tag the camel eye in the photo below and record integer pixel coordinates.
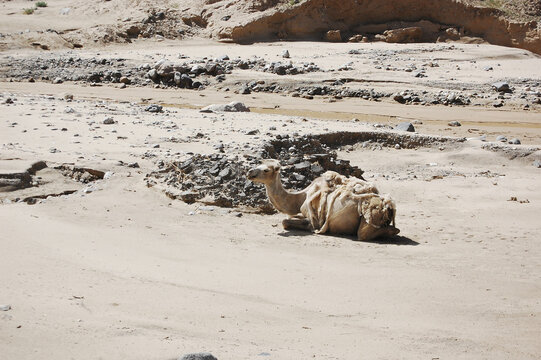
(266, 170)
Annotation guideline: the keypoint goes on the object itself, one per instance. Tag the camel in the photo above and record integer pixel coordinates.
(332, 203)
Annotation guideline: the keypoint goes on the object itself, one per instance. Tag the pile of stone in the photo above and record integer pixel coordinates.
(305, 158)
(409, 97)
(92, 70)
(212, 179)
(220, 180)
(181, 74)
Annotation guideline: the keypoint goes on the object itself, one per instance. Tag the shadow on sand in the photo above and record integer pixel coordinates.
(393, 240)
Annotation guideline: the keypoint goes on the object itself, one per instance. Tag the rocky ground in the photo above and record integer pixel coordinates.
(337, 82)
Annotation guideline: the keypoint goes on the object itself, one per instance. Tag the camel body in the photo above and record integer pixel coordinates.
(332, 203)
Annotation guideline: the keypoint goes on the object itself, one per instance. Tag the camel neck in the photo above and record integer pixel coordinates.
(283, 200)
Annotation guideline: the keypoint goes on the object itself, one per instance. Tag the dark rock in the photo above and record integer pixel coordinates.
(198, 356)
(399, 98)
(501, 86)
(405, 126)
(454, 123)
(154, 108)
(189, 196)
(109, 121)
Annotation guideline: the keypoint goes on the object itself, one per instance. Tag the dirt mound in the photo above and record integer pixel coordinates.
(220, 180)
(441, 20)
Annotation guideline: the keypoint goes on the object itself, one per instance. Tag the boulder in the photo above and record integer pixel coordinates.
(404, 35)
(333, 36)
(356, 38)
(501, 86)
(405, 126)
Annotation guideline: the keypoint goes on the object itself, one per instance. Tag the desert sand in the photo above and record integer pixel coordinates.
(112, 268)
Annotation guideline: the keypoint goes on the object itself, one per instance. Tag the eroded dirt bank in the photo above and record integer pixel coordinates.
(313, 18)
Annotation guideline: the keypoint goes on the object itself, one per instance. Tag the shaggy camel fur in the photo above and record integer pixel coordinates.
(331, 203)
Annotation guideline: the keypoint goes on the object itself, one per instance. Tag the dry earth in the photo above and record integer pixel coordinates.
(95, 264)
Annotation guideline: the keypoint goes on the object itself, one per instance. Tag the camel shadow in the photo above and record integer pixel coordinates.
(390, 240)
(395, 240)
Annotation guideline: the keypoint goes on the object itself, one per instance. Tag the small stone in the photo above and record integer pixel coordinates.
(514, 141)
(5, 307)
(245, 90)
(537, 164)
(198, 356)
(399, 98)
(405, 126)
(133, 165)
(122, 86)
(68, 96)
(58, 80)
(285, 54)
(454, 123)
(154, 108)
(109, 121)
(302, 166)
(125, 80)
(501, 138)
(152, 74)
(224, 173)
(501, 86)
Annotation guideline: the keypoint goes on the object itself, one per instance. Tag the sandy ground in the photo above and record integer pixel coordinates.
(121, 271)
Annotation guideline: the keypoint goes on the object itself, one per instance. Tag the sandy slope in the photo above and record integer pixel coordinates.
(124, 272)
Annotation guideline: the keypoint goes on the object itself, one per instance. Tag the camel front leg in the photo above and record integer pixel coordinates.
(297, 223)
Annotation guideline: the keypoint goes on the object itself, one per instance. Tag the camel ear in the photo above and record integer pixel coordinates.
(273, 164)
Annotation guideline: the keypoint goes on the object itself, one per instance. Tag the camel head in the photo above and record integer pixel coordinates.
(266, 173)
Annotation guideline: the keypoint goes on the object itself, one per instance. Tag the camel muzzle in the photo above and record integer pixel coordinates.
(251, 174)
